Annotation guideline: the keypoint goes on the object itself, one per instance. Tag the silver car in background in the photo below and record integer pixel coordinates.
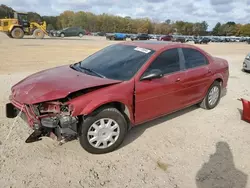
(246, 63)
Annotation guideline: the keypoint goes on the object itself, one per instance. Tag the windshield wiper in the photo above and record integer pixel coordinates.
(92, 71)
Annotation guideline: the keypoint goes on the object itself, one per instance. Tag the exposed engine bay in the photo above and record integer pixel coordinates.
(50, 118)
(55, 120)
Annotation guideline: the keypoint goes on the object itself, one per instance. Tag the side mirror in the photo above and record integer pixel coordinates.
(153, 74)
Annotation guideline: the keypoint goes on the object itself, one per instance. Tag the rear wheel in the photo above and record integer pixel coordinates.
(38, 34)
(17, 33)
(103, 131)
(212, 97)
(62, 35)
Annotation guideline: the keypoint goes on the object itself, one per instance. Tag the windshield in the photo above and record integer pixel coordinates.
(118, 62)
(23, 17)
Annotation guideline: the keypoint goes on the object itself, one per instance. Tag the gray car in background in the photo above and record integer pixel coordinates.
(246, 63)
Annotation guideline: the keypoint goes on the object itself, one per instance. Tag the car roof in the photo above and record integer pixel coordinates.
(156, 45)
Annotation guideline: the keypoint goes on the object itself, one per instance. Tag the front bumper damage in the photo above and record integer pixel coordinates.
(246, 109)
(50, 120)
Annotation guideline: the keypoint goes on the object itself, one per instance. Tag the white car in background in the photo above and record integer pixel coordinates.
(246, 63)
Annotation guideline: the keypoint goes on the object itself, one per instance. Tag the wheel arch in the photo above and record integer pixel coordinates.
(219, 79)
(15, 26)
(123, 108)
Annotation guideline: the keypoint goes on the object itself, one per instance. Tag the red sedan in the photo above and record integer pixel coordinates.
(121, 86)
(166, 38)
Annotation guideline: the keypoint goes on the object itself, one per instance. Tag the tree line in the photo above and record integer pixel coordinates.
(110, 23)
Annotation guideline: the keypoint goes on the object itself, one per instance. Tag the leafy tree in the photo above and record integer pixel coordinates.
(6, 11)
(34, 17)
(216, 29)
(245, 30)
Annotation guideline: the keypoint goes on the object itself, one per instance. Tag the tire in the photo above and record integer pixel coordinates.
(62, 35)
(80, 35)
(38, 34)
(107, 114)
(17, 33)
(205, 104)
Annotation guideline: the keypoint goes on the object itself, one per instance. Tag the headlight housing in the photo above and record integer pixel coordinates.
(53, 107)
(248, 57)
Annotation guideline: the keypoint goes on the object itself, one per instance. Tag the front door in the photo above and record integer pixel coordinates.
(160, 96)
(70, 32)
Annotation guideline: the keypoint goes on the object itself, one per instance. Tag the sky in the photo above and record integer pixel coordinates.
(212, 11)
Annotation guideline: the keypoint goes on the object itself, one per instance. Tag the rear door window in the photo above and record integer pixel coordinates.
(194, 58)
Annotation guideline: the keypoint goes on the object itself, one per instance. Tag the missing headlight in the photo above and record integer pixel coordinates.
(54, 108)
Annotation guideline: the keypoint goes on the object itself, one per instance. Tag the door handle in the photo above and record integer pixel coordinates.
(209, 71)
(178, 79)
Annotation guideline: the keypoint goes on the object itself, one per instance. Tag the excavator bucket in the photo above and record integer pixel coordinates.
(246, 110)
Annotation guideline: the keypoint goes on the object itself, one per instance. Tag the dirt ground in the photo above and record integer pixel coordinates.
(188, 149)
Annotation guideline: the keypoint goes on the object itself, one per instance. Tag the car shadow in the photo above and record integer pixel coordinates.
(240, 111)
(224, 92)
(245, 71)
(138, 130)
(220, 170)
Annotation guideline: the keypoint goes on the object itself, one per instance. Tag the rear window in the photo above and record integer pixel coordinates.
(194, 58)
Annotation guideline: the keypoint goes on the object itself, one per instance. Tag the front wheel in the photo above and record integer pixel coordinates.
(103, 131)
(80, 35)
(62, 35)
(212, 97)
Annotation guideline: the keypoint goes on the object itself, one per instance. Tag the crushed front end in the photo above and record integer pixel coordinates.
(52, 118)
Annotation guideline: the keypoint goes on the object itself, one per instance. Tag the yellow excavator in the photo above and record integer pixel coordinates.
(19, 26)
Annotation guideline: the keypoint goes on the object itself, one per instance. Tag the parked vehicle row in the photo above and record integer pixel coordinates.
(116, 36)
(140, 36)
(77, 31)
(201, 40)
(69, 32)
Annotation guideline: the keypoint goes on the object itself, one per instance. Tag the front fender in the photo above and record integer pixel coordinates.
(12, 27)
(85, 107)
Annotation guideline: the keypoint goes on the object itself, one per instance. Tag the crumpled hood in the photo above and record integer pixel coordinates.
(55, 83)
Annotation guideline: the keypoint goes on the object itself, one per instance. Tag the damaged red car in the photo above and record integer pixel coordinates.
(99, 99)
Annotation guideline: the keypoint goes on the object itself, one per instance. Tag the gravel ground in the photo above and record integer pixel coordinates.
(188, 149)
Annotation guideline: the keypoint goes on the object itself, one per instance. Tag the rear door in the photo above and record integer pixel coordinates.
(71, 32)
(198, 75)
